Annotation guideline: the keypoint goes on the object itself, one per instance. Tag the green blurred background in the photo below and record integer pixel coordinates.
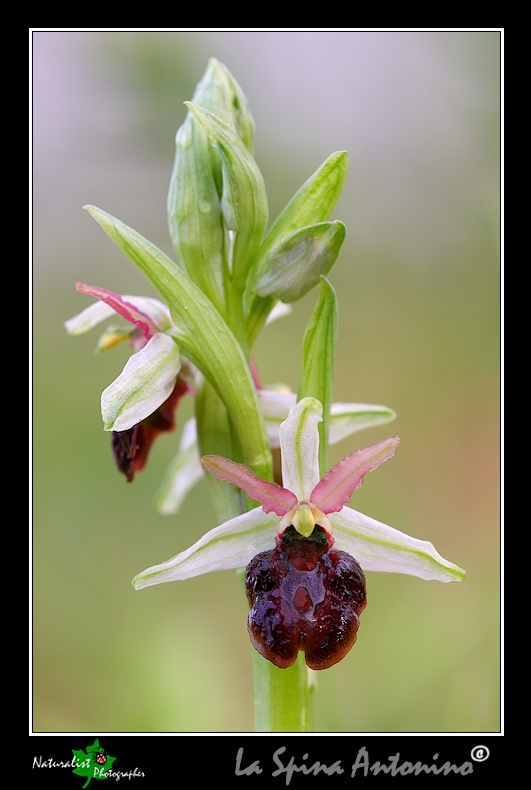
(418, 286)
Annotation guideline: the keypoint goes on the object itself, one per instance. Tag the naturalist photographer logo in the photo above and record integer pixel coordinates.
(95, 764)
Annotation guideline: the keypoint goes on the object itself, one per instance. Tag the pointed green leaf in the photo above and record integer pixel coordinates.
(318, 355)
(194, 212)
(312, 203)
(219, 93)
(239, 105)
(203, 337)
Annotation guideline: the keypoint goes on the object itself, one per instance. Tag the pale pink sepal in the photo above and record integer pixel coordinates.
(123, 308)
(272, 497)
(334, 490)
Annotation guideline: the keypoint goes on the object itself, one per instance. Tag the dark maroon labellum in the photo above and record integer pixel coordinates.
(304, 596)
(131, 447)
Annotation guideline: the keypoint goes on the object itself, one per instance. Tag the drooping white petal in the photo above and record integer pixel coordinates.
(273, 497)
(347, 418)
(231, 545)
(183, 473)
(145, 383)
(299, 443)
(337, 486)
(378, 547)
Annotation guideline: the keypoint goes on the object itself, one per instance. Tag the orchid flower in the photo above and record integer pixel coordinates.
(140, 404)
(304, 508)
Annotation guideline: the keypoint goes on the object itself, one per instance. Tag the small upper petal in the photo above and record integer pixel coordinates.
(271, 496)
(122, 307)
(337, 486)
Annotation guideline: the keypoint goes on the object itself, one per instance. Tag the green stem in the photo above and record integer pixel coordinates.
(283, 698)
(214, 436)
(235, 318)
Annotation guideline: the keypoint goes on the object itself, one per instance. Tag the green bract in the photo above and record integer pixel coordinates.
(313, 203)
(293, 267)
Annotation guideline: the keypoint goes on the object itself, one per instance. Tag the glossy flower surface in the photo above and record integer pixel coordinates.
(304, 503)
(304, 595)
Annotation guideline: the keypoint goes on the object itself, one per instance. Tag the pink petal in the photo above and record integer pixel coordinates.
(336, 487)
(123, 308)
(271, 496)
